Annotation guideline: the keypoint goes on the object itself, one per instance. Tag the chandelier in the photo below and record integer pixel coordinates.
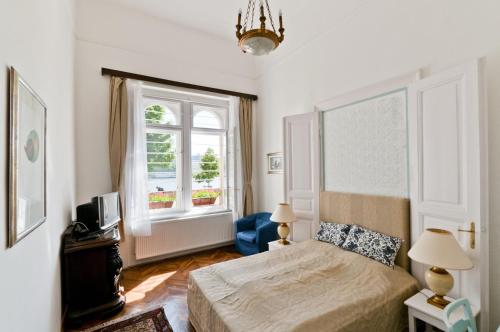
(258, 41)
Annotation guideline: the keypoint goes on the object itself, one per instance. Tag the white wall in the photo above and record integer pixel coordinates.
(380, 40)
(119, 38)
(37, 38)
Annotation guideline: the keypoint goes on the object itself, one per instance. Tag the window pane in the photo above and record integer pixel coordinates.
(163, 166)
(208, 117)
(208, 171)
(162, 111)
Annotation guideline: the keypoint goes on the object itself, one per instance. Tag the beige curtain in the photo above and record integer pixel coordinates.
(118, 119)
(245, 119)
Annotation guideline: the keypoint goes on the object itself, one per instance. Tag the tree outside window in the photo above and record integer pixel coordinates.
(159, 146)
(209, 165)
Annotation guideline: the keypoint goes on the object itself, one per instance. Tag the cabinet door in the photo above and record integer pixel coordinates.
(302, 172)
(448, 147)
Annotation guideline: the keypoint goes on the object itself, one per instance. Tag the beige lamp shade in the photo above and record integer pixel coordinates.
(283, 214)
(439, 248)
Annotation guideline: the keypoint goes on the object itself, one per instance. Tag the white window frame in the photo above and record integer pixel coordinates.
(184, 207)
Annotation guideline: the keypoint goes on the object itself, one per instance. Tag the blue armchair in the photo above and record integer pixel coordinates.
(253, 232)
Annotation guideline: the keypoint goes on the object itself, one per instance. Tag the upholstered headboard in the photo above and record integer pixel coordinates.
(388, 215)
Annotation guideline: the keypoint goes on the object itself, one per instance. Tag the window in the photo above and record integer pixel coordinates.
(186, 154)
(208, 152)
(162, 112)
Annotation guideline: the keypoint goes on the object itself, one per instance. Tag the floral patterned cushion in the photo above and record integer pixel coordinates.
(332, 233)
(380, 247)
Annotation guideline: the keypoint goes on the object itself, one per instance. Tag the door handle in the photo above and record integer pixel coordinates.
(472, 234)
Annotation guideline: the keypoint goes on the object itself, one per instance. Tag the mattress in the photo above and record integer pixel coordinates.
(310, 286)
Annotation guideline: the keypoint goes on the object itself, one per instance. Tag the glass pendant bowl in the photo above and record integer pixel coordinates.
(258, 41)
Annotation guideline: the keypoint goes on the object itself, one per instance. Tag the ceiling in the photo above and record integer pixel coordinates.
(303, 20)
(217, 17)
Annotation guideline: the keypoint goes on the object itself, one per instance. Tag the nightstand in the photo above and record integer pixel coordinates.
(418, 308)
(277, 245)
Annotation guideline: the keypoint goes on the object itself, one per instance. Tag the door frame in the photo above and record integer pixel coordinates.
(485, 206)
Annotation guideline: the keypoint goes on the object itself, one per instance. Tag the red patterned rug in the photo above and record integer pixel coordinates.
(149, 321)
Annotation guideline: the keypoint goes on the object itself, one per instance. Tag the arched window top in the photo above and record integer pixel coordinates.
(207, 117)
(164, 113)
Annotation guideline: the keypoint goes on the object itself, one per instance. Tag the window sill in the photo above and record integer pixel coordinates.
(181, 216)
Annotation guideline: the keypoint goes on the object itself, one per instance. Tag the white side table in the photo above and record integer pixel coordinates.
(277, 245)
(418, 308)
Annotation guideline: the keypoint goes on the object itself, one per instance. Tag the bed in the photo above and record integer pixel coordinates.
(311, 286)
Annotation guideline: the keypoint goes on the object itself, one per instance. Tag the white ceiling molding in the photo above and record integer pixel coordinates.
(304, 20)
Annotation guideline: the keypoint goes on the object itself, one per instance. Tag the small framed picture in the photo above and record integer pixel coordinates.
(27, 167)
(275, 163)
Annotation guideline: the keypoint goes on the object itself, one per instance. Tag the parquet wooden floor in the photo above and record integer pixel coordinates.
(165, 283)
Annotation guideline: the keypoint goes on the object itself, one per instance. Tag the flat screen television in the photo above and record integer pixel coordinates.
(101, 213)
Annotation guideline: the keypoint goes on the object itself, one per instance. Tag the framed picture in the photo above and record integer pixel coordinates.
(27, 162)
(275, 163)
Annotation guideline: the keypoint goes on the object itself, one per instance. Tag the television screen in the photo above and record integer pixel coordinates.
(109, 210)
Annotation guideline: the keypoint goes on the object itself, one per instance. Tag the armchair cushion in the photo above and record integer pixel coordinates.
(247, 236)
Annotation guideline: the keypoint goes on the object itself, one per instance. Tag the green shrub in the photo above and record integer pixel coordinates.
(206, 194)
(161, 198)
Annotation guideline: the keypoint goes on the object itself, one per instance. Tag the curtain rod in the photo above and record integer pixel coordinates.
(124, 74)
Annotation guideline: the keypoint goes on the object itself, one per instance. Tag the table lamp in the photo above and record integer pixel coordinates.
(283, 215)
(439, 249)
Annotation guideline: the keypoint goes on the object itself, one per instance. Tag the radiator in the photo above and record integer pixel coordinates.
(180, 235)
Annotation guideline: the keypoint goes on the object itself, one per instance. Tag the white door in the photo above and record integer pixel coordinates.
(448, 161)
(302, 172)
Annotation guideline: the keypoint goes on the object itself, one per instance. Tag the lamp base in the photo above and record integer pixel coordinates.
(283, 231)
(440, 282)
(438, 301)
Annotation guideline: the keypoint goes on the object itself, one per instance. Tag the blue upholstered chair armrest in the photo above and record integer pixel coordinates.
(266, 233)
(245, 223)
